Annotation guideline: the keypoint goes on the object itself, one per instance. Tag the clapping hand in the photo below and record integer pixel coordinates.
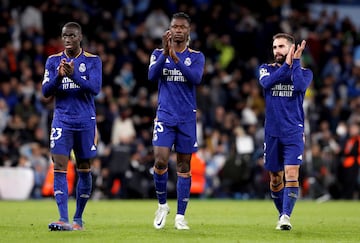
(69, 68)
(173, 55)
(295, 53)
(299, 49)
(66, 68)
(61, 71)
(167, 46)
(166, 42)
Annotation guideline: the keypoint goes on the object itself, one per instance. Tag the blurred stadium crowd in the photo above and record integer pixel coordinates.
(236, 37)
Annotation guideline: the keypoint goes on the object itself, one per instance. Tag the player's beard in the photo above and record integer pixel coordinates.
(280, 59)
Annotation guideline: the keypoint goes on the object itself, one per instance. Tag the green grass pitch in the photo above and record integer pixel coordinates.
(209, 220)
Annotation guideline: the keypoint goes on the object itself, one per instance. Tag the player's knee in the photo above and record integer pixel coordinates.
(292, 173)
(276, 181)
(277, 184)
(83, 164)
(160, 167)
(60, 165)
(276, 178)
(183, 167)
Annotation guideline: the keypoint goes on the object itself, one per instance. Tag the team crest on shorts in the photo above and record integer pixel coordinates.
(155, 137)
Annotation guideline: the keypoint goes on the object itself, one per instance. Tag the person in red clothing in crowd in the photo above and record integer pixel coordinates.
(349, 170)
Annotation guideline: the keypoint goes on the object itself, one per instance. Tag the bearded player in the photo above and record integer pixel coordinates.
(284, 83)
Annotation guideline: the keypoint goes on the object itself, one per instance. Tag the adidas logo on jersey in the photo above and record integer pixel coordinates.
(195, 145)
(93, 148)
(299, 157)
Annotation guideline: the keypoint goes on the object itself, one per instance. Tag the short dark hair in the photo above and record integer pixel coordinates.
(286, 36)
(73, 25)
(182, 15)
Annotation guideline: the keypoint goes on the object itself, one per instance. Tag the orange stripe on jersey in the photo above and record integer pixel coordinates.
(56, 55)
(192, 50)
(88, 54)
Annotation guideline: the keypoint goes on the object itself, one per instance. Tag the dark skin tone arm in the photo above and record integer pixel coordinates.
(71, 39)
(174, 40)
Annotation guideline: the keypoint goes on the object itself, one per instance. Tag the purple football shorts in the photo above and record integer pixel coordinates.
(280, 151)
(181, 135)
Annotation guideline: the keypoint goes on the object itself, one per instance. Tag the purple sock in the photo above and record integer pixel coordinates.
(290, 197)
(161, 186)
(183, 193)
(61, 195)
(278, 199)
(83, 191)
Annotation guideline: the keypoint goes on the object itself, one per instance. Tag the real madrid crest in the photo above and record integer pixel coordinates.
(82, 67)
(187, 61)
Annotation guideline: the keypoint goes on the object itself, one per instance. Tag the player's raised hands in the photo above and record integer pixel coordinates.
(61, 71)
(299, 49)
(290, 55)
(66, 68)
(173, 55)
(69, 68)
(166, 41)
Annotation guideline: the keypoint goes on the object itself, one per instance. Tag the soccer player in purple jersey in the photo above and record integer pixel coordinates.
(178, 69)
(284, 83)
(73, 77)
